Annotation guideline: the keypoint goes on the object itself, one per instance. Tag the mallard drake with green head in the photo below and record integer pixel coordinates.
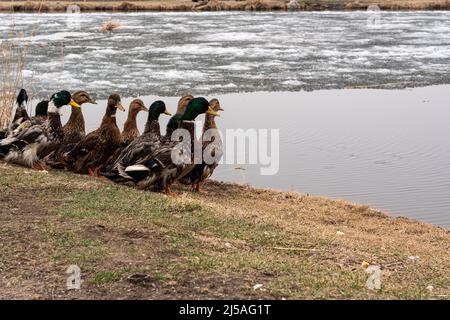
(152, 127)
(34, 142)
(139, 147)
(74, 130)
(211, 147)
(159, 165)
(41, 112)
(90, 154)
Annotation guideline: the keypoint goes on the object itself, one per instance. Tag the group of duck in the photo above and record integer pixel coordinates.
(127, 157)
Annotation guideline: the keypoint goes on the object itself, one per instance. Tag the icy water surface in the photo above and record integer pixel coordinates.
(222, 52)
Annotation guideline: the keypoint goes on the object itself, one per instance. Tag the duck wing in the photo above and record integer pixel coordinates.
(135, 153)
(20, 115)
(212, 147)
(28, 145)
(164, 163)
(85, 145)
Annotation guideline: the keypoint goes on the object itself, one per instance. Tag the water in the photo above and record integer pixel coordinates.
(223, 52)
(389, 149)
(386, 148)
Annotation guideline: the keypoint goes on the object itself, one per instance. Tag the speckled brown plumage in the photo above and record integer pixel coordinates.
(74, 130)
(183, 103)
(140, 146)
(147, 162)
(34, 141)
(130, 129)
(129, 134)
(94, 149)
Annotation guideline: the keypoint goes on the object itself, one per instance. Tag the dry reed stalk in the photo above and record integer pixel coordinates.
(110, 26)
(12, 63)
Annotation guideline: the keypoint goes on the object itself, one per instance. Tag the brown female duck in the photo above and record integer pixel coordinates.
(130, 129)
(74, 130)
(88, 155)
(183, 103)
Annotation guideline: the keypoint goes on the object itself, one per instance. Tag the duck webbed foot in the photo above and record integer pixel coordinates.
(98, 174)
(95, 173)
(196, 188)
(169, 192)
(91, 172)
(39, 166)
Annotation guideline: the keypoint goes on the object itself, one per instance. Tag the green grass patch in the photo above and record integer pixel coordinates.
(104, 277)
(71, 248)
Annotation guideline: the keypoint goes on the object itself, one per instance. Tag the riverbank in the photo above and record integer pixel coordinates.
(234, 242)
(216, 5)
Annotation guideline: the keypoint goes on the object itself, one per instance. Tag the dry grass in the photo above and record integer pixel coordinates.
(259, 5)
(215, 245)
(110, 25)
(12, 62)
(217, 5)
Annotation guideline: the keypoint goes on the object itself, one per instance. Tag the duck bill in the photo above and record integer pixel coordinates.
(212, 112)
(167, 113)
(144, 109)
(74, 104)
(92, 101)
(120, 107)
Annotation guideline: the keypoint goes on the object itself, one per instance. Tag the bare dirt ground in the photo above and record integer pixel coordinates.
(201, 246)
(218, 5)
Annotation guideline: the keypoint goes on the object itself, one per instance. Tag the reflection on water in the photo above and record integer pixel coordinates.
(388, 149)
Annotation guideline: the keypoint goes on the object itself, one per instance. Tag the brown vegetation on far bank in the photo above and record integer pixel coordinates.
(218, 5)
